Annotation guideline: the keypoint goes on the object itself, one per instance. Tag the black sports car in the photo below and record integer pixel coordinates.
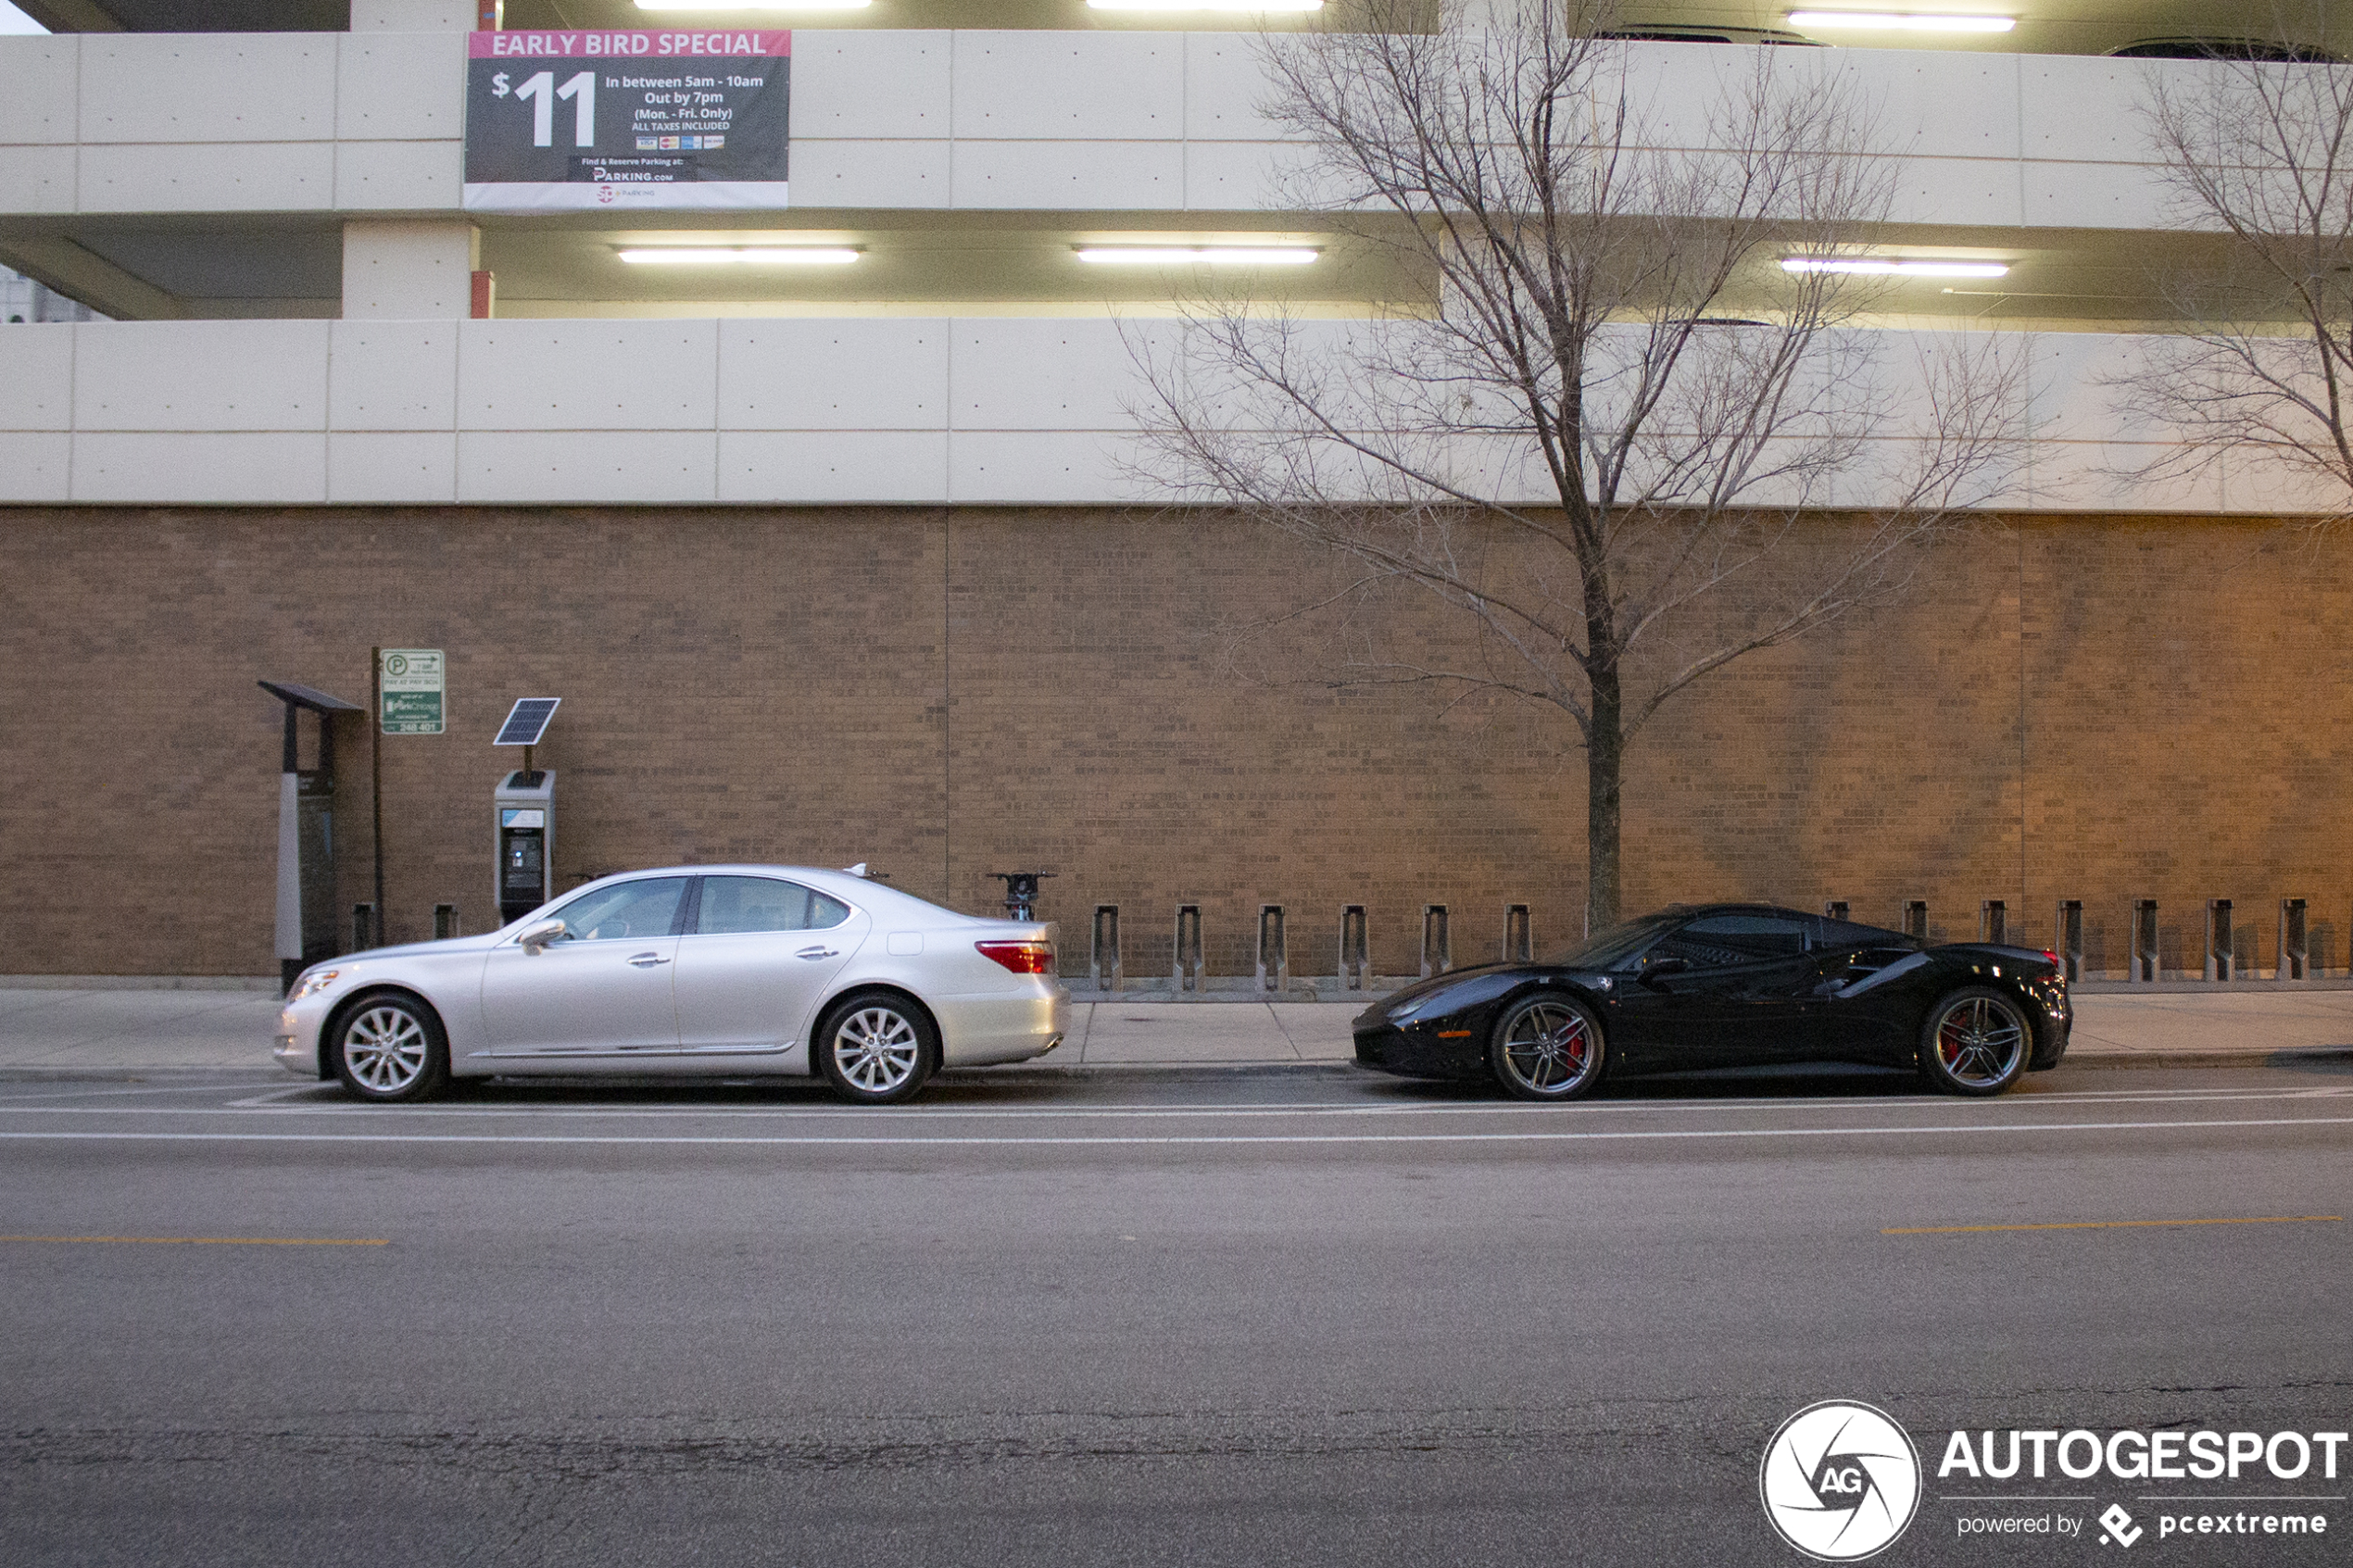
(1724, 986)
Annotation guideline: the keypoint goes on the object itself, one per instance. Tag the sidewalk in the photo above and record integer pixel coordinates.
(112, 1030)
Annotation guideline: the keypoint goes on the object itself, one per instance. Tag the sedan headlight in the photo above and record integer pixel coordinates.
(313, 983)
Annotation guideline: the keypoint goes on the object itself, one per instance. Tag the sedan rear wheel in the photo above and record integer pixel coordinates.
(1547, 1049)
(390, 1048)
(876, 1049)
(1976, 1042)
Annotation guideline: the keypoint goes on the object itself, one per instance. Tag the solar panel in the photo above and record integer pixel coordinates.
(528, 721)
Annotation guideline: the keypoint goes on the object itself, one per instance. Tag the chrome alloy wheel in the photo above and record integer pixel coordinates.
(1548, 1048)
(876, 1049)
(1979, 1040)
(385, 1049)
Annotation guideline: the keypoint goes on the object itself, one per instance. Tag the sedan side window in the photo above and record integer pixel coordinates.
(736, 906)
(626, 909)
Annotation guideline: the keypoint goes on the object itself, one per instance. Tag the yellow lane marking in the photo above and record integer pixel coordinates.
(207, 1240)
(2114, 1224)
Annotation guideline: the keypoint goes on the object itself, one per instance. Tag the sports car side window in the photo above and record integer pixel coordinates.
(624, 910)
(1745, 938)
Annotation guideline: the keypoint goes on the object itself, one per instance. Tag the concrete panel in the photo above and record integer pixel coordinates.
(1069, 175)
(912, 174)
(393, 375)
(399, 176)
(885, 85)
(2253, 482)
(1952, 189)
(1024, 466)
(2074, 107)
(36, 179)
(200, 376)
(1017, 374)
(555, 468)
(35, 466)
(36, 376)
(373, 468)
(400, 86)
(870, 375)
(405, 270)
(1223, 85)
(207, 87)
(207, 470)
(1234, 176)
(1944, 104)
(803, 466)
(42, 74)
(1109, 86)
(413, 16)
(2092, 196)
(200, 177)
(2098, 476)
(588, 375)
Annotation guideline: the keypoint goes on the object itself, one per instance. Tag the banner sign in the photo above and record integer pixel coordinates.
(558, 120)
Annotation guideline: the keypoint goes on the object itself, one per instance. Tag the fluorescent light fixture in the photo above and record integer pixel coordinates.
(753, 5)
(1896, 21)
(1186, 255)
(1205, 4)
(1888, 266)
(749, 255)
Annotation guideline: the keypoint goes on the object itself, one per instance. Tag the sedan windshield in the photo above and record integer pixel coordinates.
(1612, 945)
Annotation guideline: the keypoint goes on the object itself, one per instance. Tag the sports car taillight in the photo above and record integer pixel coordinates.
(1022, 957)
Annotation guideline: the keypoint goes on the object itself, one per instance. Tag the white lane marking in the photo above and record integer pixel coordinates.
(263, 1105)
(960, 1140)
(254, 1101)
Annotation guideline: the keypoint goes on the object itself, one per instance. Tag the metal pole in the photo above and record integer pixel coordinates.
(376, 777)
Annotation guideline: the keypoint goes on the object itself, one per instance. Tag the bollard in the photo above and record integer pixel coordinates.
(2144, 968)
(1355, 948)
(2296, 949)
(2068, 930)
(444, 921)
(1438, 947)
(2219, 962)
(1103, 969)
(363, 928)
(1520, 939)
(1994, 922)
(1188, 947)
(1836, 910)
(1274, 951)
(1916, 919)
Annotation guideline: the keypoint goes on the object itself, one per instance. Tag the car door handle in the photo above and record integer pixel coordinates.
(648, 961)
(818, 952)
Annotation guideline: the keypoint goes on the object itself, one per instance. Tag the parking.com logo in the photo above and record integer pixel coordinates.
(1840, 1480)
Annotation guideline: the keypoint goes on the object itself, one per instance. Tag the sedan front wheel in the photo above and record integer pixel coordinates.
(1547, 1049)
(390, 1048)
(876, 1049)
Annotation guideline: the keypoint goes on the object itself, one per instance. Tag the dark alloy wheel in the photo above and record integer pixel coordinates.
(1547, 1049)
(875, 1048)
(389, 1048)
(1975, 1042)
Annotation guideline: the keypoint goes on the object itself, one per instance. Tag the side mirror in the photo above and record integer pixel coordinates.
(539, 936)
(1660, 969)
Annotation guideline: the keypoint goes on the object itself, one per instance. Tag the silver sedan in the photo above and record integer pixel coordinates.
(713, 969)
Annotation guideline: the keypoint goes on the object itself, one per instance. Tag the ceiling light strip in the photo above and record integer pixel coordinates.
(742, 256)
(1187, 255)
(1889, 265)
(1902, 21)
(1246, 5)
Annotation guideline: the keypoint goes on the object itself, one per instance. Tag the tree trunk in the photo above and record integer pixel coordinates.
(1605, 765)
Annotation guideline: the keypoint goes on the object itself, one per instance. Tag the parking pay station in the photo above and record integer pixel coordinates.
(524, 808)
(306, 930)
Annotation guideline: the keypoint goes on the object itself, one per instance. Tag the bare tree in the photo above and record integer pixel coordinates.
(2259, 151)
(1606, 433)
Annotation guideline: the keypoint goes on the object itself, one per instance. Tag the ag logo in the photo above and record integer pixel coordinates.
(1840, 1481)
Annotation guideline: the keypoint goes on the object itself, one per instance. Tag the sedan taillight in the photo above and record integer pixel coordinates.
(1022, 957)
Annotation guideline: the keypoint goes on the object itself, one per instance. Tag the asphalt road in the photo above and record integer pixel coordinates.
(1280, 1318)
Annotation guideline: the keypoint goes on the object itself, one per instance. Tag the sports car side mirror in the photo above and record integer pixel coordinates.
(539, 936)
(1660, 969)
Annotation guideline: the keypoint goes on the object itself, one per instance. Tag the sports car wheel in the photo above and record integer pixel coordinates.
(875, 1048)
(1976, 1042)
(1546, 1047)
(390, 1049)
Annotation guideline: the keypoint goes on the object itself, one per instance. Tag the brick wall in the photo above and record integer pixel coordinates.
(2093, 708)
